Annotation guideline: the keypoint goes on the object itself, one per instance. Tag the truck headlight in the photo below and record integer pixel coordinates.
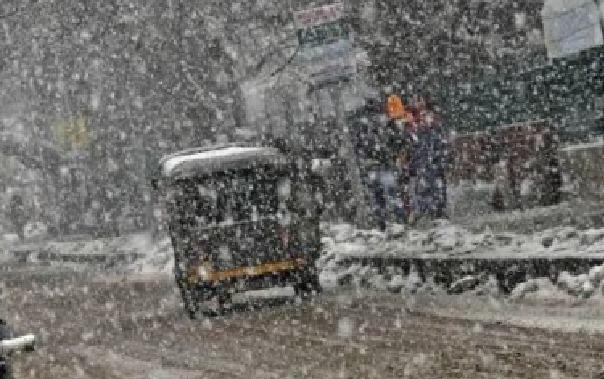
(203, 273)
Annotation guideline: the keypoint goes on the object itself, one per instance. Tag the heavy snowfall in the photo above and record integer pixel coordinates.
(297, 189)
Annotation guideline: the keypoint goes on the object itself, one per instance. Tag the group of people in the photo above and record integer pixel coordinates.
(404, 160)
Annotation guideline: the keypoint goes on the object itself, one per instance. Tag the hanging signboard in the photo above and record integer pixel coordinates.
(326, 52)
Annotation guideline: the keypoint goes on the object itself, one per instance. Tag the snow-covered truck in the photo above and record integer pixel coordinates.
(241, 217)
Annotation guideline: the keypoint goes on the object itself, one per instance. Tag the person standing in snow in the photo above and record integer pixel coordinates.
(429, 165)
(377, 142)
(382, 175)
(439, 163)
(407, 165)
(17, 215)
(413, 143)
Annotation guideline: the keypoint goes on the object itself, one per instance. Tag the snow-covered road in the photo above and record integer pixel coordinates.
(105, 327)
(126, 321)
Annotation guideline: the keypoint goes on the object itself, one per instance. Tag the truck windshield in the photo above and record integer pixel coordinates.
(227, 198)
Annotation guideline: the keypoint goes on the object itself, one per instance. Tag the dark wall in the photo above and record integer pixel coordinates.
(569, 92)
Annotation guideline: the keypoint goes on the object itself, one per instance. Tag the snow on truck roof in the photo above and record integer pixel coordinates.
(216, 158)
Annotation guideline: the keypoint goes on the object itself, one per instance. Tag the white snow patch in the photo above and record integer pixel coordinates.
(443, 240)
(345, 326)
(35, 230)
(488, 288)
(522, 289)
(413, 280)
(584, 285)
(396, 284)
(157, 257)
(466, 283)
(584, 146)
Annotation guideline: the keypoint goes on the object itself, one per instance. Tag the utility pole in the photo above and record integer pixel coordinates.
(353, 169)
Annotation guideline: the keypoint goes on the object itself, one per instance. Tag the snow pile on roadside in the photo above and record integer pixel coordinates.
(444, 239)
(584, 285)
(33, 231)
(363, 277)
(342, 241)
(533, 286)
(576, 286)
(333, 273)
(133, 245)
(138, 252)
(157, 257)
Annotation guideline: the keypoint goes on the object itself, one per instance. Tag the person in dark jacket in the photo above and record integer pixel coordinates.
(378, 144)
(428, 163)
(387, 144)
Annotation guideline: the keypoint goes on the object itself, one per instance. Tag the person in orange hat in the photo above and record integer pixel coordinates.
(397, 189)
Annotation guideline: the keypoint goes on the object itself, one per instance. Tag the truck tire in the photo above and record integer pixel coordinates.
(308, 285)
(190, 302)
